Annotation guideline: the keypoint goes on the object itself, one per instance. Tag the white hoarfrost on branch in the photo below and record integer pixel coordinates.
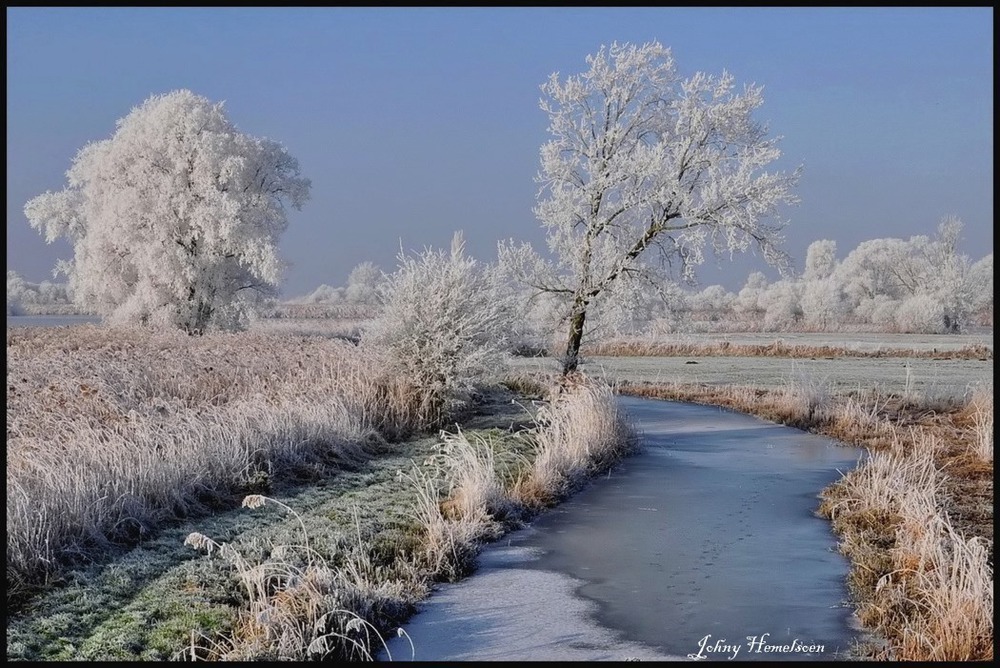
(174, 220)
(446, 322)
(643, 172)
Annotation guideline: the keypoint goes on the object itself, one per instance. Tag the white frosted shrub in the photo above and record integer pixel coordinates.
(446, 323)
(54, 293)
(981, 281)
(714, 298)
(363, 283)
(822, 303)
(781, 306)
(921, 314)
(879, 310)
(821, 260)
(18, 290)
(748, 300)
(324, 294)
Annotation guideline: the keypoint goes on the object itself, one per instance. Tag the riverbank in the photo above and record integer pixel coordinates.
(180, 430)
(130, 454)
(915, 519)
(710, 531)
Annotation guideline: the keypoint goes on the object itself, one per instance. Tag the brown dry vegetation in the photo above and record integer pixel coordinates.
(112, 432)
(778, 348)
(915, 519)
(114, 435)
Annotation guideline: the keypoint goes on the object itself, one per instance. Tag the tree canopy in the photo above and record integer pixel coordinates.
(645, 170)
(175, 219)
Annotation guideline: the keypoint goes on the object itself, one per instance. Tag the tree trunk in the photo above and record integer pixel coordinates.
(198, 316)
(572, 358)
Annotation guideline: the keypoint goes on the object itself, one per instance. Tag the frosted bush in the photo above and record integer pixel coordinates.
(781, 306)
(446, 323)
(921, 314)
(363, 283)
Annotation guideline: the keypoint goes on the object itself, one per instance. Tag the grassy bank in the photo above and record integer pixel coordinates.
(271, 496)
(251, 497)
(915, 518)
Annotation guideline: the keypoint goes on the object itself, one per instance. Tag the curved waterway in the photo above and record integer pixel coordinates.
(705, 545)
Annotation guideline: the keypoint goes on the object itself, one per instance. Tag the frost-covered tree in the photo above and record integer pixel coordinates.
(324, 294)
(880, 267)
(781, 304)
(822, 304)
(711, 298)
(821, 260)
(821, 298)
(646, 169)
(920, 314)
(20, 291)
(748, 299)
(711, 302)
(174, 220)
(930, 268)
(447, 321)
(363, 282)
(951, 286)
(17, 291)
(880, 311)
(981, 280)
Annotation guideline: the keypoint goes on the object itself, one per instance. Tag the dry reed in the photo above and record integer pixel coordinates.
(778, 348)
(112, 432)
(924, 585)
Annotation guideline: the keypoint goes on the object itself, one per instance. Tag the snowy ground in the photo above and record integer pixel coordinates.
(928, 377)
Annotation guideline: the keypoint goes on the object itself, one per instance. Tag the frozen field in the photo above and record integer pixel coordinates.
(861, 341)
(930, 377)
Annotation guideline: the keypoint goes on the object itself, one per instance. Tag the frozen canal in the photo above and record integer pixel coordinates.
(704, 544)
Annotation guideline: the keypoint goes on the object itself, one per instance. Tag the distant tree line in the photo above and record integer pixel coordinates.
(24, 297)
(175, 221)
(919, 285)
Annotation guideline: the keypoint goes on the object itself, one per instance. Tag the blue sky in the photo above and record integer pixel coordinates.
(416, 122)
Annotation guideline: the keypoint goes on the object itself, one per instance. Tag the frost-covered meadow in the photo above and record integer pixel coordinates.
(219, 472)
(895, 375)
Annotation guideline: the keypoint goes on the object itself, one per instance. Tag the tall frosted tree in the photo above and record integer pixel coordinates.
(175, 219)
(644, 171)
(822, 300)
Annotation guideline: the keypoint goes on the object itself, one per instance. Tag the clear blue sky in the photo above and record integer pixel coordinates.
(416, 122)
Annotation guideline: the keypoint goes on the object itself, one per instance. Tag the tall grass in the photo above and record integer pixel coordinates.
(981, 406)
(928, 590)
(299, 607)
(581, 432)
(112, 432)
(807, 395)
(921, 582)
